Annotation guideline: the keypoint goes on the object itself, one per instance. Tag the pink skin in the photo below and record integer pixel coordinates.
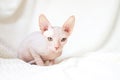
(45, 46)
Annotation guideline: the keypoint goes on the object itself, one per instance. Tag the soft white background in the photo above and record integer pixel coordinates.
(95, 38)
(96, 27)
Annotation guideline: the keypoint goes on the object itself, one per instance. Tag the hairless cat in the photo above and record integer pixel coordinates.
(45, 45)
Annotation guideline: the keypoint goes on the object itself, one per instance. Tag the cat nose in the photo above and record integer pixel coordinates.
(56, 48)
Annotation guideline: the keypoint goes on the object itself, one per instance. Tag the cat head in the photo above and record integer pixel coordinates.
(56, 36)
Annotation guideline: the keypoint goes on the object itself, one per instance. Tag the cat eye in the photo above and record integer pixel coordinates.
(49, 38)
(63, 39)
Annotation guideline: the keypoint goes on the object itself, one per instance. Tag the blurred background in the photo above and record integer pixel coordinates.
(97, 25)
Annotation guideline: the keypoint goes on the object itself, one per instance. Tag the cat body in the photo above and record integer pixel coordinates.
(47, 44)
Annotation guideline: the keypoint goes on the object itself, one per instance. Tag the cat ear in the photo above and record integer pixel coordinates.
(69, 24)
(43, 23)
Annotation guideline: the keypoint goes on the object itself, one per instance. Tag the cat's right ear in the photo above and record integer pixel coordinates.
(43, 23)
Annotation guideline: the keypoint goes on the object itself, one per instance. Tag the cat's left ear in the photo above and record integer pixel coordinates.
(69, 24)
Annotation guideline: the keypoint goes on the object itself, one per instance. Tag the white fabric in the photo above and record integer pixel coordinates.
(95, 39)
(97, 66)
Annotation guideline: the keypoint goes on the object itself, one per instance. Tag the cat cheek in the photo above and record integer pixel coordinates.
(63, 43)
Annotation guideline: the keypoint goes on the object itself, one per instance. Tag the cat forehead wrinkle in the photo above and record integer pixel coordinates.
(60, 29)
(59, 32)
(49, 32)
(55, 31)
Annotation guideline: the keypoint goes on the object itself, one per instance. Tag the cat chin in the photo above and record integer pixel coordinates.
(55, 51)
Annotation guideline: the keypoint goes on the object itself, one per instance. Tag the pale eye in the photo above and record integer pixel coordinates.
(63, 39)
(50, 39)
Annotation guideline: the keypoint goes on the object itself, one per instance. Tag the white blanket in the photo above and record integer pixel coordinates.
(96, 66)
(95, 29)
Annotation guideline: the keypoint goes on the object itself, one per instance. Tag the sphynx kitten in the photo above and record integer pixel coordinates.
(46, 45)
